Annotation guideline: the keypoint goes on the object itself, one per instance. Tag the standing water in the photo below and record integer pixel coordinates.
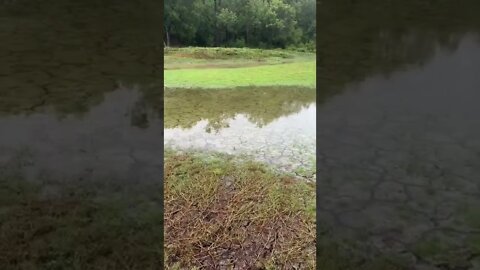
(275, 125)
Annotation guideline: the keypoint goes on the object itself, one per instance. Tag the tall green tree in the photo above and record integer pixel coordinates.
(252, 23)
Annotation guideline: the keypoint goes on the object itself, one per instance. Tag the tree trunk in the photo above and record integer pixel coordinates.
(215, 33)
(168, 36)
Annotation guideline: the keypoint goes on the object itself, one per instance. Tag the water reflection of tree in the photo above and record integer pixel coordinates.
(68, 54)
(364, 38)
(262, 105)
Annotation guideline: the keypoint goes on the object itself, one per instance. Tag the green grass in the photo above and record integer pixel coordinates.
(222, 210)
(194, 67)
(291, 74)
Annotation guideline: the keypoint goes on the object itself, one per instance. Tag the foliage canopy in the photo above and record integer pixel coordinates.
(240, 23)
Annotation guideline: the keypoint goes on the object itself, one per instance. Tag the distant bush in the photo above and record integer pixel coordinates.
(309, 46)
(239, 43)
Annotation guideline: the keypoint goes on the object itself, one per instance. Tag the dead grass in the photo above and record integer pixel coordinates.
(225, 215)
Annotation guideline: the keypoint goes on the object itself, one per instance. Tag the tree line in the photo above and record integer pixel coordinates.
(240, 23)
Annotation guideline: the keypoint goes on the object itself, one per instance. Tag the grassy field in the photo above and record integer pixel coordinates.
(226, 67)
(219, 211)
(300, 74)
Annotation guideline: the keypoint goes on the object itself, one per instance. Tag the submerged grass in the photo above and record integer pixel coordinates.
(220, 213)
(291, 74)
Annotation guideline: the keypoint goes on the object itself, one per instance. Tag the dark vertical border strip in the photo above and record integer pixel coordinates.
(317, 160)
(162, 205)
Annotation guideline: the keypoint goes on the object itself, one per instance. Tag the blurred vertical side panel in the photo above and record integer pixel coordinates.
(81, 153)
(398, 134)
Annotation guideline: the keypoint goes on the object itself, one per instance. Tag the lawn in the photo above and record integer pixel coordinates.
(230, 67)
(291, 74)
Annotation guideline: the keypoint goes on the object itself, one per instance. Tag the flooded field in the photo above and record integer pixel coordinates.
(399, 140)
(274, 125)
(239, 134)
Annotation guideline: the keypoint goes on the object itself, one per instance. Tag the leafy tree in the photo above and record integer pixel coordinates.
(253, 23)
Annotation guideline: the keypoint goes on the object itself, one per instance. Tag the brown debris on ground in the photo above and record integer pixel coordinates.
(221, 215)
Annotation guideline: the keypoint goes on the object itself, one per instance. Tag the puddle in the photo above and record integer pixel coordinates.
(271, 125)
